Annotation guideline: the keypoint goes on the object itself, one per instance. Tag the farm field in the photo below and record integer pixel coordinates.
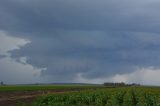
(14, 88)
(78, 95)
(125, 96)
(10, 95)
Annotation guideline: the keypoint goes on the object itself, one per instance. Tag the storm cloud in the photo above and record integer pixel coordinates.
(79, 40)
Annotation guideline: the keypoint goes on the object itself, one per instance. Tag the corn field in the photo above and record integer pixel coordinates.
(126, 96)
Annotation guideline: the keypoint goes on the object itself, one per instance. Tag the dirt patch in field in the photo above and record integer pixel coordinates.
(12, 98)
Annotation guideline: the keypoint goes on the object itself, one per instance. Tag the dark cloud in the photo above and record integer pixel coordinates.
(45, 16)
(93, 54)
(2, 56)
(95, 38)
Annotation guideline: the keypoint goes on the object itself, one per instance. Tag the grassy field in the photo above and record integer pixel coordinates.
(12, 88)
(124, 96)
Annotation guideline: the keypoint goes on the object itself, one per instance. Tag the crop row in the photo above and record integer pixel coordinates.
(107, 97)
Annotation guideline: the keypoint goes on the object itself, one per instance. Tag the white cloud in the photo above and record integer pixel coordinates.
(145, 76)
(12, 71)
(23, 60)
(8, 43)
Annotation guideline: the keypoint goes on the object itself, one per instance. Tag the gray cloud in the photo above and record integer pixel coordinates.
(95, 54)
(2, 56)
(12, 71)
(45, 16)
(92, 38)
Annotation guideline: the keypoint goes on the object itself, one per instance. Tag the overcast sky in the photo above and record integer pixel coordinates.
(86, 41)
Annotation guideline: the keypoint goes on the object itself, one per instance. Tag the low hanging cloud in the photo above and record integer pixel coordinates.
(145, 76)
(13, 72)
(91, 54)
(93, 39)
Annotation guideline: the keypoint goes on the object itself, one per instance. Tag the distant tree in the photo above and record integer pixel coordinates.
(114, 84)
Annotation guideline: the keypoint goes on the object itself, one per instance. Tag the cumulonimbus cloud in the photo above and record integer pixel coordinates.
(96, 38)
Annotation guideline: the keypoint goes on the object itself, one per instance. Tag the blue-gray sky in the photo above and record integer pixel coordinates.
(80, 41)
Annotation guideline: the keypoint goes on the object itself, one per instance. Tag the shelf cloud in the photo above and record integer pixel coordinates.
(76, 41)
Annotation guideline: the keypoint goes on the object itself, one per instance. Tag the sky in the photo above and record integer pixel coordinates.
(80, 41)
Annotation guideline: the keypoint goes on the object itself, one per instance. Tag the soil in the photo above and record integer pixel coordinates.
(12, 98)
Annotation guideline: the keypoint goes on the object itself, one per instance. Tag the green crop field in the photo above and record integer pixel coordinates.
(122, 96)
(87, 95)
(12, 88)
